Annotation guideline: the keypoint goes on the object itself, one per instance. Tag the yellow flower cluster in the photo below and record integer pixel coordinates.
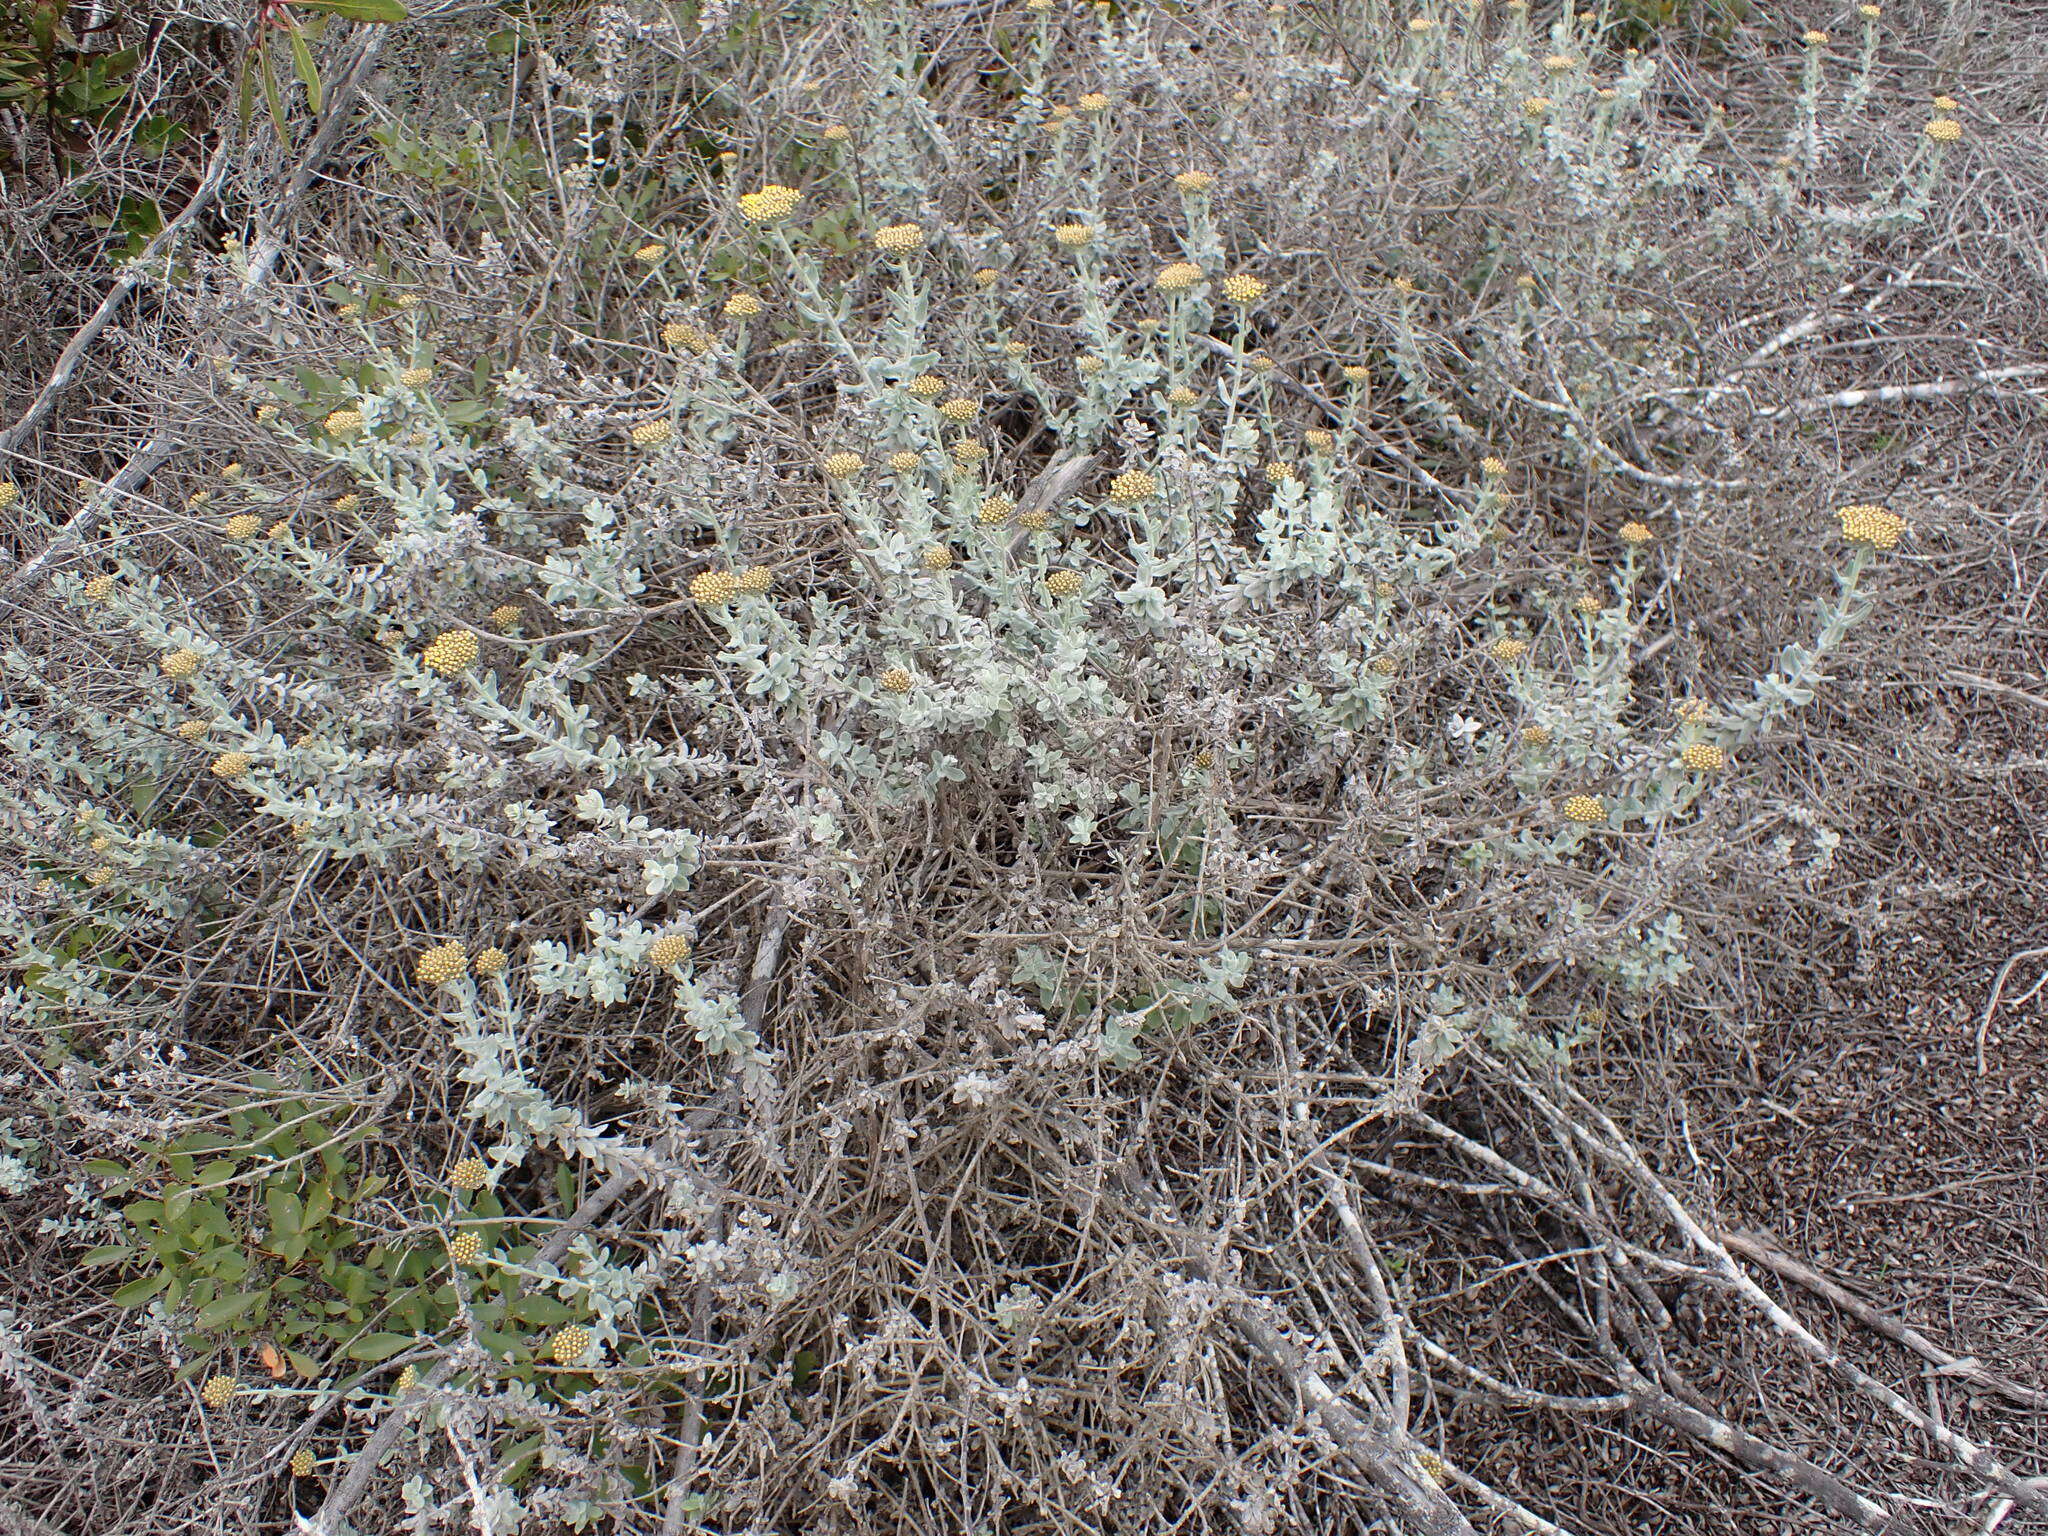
(1493, 466)
(1036, 519)
(960, 409)
(668, 950)
(1636, 533)
(303, 1461)
(904, 461)
(652, 434)
(569, 1344)
(490, 961)
(650, 253)
(1585, 810)
(180, 664)
(1587, 604)
(442, 963)
(348, 502)
(935, 557)
(505, 617)
(1508, 648)
(192, 730)
(1871, 526)
(232, 765)
(1319, 439)
(470, 1173)
(1182, 396)
(450, 652)
(680, 333)
(1536, 735)
(742, 306)
(1194, 181)
(837, 133)
(242, 526)
(986, 277)
(772, 203)
(338, 422)
(899, 239)
(1558, 63)
(843, 464)
(10, 493)
(1063, 583)
(712, 588)
(100, 588)
(996, 509)
(466, 1248)
(755, 579)
(1356, 373)
(1278, 472)
(1074, 236)
(1177, 277)
(1088, 367)
(1692, 711)
(896, 680)
(1093, 101)
(1243, 288)
(1132, 487)
(1814, 38)
(968, 452)
(1944, 130)
(1535, 106)
(926, 386)
(217, 1391)
(1704, 757)
(413, 378)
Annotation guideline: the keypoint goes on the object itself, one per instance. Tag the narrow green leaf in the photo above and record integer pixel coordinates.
(228, 1308)
(372, 1347)
(136, 1292)
(380, 11)
(302, 65)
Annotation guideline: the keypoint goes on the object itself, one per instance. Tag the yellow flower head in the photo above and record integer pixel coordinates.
(843, 464)
(348, 502)
(505, 617)
(670, 949)
(242, 526)
(413, 378)
(1063, 583)
(1319, 439)
(1871, 526)
(277, 530)
(960, 409)
(1704, 757)
(996, 509)
(838, 133)
(490, 961)
(899, 239)
(1088, 367)
(1584, 809)
(1944, 130)
(1947, 104)
(1403, 284)
(192, 730)
(904, 462)
(896, 680)
(98, 876)
(927, 386)
(1180, 395)
(680, 333)
(470, 1173)
(1243, 288)
(1035, 518)
(1419, 25)
(651, 252)
(1259, 362)
(1535, 106)
(1508, 648)
(1493, 466)
(442, 963)
(217, 1391)
(408, 1378)
(1869, 12)
(755, 580)
(967, 451)
(100, 588)
(266, 412)
(1385, 666)
(742, 306)
(569, 1344)
(1536, 735)
(1279, 473)
(987, 277)
(1587, 604)
(1177, 277)
(180, 664)
(1094, 101)
(451, 651)
(935, 557)
(1194, 181)
(1074, 236)
(232, 765)
(1636, 533)
(1815, 38)
(10, 493)
(1132, 487)
(466, 1247)
(652, 434)
(1015, 349)
(303, 1462)
(771, 204)
(338, 422)
(713, 588)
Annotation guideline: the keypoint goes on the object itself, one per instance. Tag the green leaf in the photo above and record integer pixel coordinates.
(228, 1308)
(136, 1292)
(100, 1168)
(285, 1214)
(305, 1365)
(380, 11)
(372, 1347)
(113, 1253)
(302, 66)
